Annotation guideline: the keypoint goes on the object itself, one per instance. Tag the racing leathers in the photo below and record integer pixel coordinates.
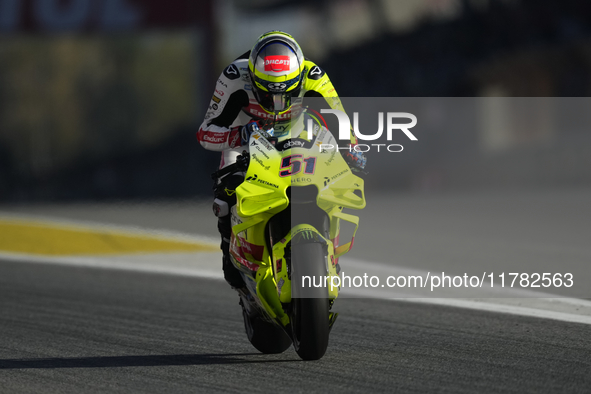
(232, 106)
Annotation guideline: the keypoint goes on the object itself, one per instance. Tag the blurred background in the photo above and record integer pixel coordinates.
(101, 99)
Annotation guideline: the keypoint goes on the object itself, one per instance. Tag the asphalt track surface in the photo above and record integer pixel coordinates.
(68, 329)
(80, 329)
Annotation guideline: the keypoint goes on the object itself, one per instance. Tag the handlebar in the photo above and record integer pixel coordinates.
(243, 160)
(240, 165)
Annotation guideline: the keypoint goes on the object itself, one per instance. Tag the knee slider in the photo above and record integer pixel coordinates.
(220, 208)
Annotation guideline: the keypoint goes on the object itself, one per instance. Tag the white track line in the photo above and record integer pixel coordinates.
(491, 306)
(508, 300)
(198, 264)
(207, 265)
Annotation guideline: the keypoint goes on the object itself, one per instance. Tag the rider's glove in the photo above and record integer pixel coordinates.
(356, 160)
(247, 130)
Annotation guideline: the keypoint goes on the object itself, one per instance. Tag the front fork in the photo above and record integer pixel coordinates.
(281, 264)
(273, 276)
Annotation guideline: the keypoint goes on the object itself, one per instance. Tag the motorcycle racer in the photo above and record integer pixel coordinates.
(260, 90)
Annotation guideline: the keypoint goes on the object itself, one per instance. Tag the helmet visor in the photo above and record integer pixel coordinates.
(276, 98)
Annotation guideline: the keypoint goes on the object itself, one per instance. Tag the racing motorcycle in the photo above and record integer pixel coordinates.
(285, 237)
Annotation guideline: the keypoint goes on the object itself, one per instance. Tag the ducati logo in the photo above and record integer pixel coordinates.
(277, 63)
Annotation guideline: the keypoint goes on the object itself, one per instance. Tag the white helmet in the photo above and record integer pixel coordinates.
(276, 66)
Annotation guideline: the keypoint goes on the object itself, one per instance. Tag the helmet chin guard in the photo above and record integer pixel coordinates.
(279, 102)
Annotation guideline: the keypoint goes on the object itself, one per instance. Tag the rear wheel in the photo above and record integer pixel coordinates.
(309, 315)
(266, 337)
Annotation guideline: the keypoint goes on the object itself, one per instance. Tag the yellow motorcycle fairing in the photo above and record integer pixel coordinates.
(273, 169)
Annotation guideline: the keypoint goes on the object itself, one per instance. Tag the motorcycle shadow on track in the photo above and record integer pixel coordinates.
(142, 361)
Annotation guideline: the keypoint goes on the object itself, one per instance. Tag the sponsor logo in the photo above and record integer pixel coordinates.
(254, 111)
(231, 69)
(262, 152)
(214, 106)
(231, 72)
(241, 260)
(220, 93)
(216, 98)
(254, 143)
(266, 144)
(215, 138)
(301, 180)
(315, 70)
(234, 141)
(331, 159)
(316, 73)
(292, 143)
(222, 83)
(280, 128)
(332, 178)
(247, 87)
(255, 178)
(235, 218)
(258, 160)
(245, 77)
(277, 63)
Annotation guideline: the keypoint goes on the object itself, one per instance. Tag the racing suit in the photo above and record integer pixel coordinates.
(232, 106)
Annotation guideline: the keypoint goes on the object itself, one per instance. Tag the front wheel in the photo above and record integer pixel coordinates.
(309, 314)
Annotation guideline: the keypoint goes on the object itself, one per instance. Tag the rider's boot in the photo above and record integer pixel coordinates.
(225, 198)
(231, 273)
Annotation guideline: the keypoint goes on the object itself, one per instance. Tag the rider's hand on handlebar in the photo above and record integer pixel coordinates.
(355, 159)
(247, 130)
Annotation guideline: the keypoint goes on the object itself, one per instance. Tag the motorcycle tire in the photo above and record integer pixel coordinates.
(310, 311)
